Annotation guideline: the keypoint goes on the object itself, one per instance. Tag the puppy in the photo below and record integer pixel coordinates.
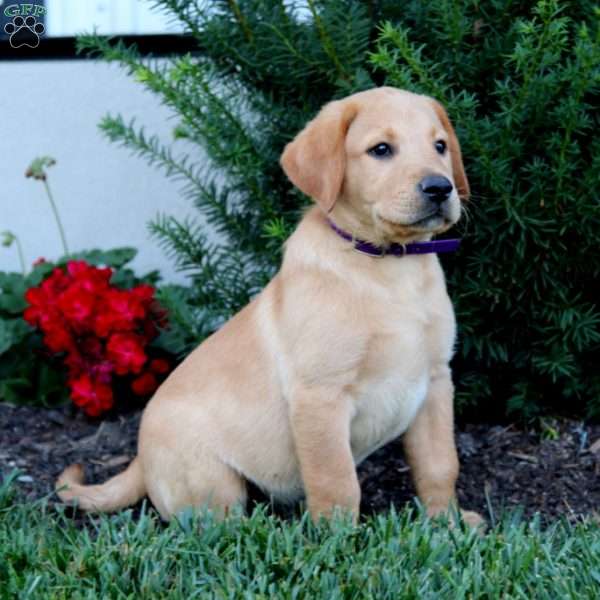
(343, 351)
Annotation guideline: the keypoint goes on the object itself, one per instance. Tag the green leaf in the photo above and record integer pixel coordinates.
(116, 258)
(12, 332)
(12, 293)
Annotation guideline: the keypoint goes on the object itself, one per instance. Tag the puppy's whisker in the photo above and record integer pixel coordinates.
(466, 211)
(476, 197)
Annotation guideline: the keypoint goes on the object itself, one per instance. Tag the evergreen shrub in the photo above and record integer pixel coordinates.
(520, 81)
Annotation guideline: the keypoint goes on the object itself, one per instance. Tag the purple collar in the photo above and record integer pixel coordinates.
(435, 246)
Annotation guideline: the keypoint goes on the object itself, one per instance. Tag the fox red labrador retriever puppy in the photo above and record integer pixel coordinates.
(346, 349)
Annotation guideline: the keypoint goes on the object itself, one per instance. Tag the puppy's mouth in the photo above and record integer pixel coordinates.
(429, 222)
(434, 218)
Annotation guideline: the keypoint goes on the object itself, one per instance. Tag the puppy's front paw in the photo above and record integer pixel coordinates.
(474, 520)
(331, 511)
(471, 518)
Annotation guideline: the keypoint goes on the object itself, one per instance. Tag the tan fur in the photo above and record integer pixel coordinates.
(316, 162)
(460, 178)
(341, 352)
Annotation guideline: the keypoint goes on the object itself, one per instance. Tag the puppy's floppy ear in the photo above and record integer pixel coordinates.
(315, 160)
(458, 169)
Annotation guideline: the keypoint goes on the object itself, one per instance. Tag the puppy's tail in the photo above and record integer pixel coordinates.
(120, 491)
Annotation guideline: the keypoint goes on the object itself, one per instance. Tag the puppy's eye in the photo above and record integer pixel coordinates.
(382, 150)
(440, 146)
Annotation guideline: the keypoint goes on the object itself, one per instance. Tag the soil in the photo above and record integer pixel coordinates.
(502, 467)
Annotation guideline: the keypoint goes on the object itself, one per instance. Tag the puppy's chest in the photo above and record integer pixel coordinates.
(387, 399)
(394, 377)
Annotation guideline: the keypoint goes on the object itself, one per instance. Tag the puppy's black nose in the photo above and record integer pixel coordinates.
(436, 188)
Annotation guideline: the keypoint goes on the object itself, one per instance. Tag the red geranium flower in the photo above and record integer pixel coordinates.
(77, 305)
(53, 285)
(101, 330)
(42, 299)
(126, 351)
(58, 338)
(121, 312)
(160, 366)
(76, 363)
(144, 292)
(92, 396)
(145, 384)
(37, 306)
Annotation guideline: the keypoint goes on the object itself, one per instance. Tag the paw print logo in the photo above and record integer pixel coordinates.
(24, 32)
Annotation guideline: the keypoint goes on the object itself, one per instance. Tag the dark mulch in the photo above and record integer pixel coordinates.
(502, 467)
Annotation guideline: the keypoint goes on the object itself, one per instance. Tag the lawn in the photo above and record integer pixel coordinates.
(44, 553)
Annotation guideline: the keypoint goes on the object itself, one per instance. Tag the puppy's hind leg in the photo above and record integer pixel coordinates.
(205, 482)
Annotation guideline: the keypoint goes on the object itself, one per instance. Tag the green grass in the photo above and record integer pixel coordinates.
(43, 554)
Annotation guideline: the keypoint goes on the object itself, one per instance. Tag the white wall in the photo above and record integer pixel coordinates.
(105, 196)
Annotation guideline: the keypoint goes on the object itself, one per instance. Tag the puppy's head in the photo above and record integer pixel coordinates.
(388, 156)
